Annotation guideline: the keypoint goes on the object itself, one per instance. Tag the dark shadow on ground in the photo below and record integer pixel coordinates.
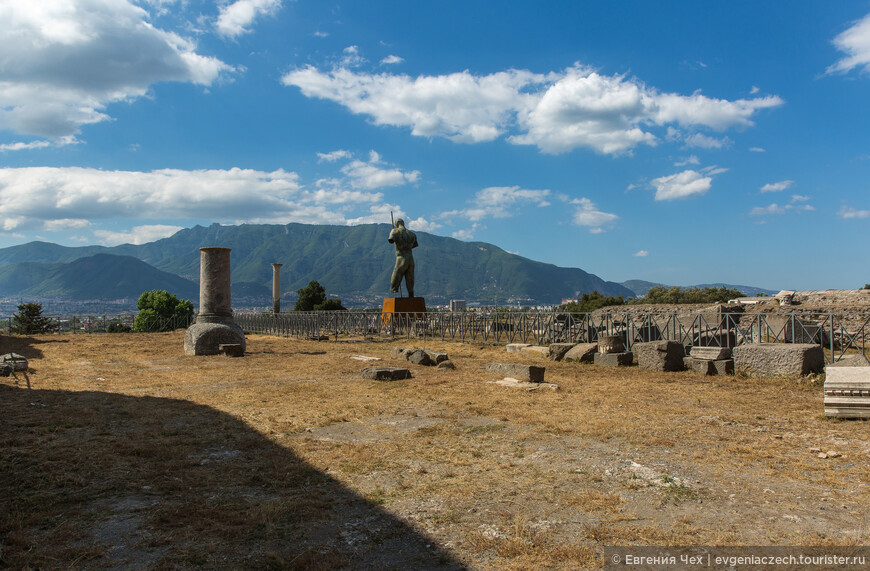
(103, 480)
(24, 345)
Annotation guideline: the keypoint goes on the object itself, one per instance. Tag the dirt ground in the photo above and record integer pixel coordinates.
(125, 453)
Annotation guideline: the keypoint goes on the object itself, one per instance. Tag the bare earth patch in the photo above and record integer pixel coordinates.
(127, 454)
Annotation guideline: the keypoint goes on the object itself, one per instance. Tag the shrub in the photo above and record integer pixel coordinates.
(118, 326)
(313, 298)
(160, 310)
(29, 320)
(677, 295)
(589, 302)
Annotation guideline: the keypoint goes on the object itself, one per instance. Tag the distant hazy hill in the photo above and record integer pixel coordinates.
(640, 287)
(101, 276)
(349, 261)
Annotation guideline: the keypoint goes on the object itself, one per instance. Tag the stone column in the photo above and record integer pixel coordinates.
(214, 286)
(276, 288)
(214, 323)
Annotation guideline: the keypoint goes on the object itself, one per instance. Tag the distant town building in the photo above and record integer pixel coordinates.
(457, 304)
(567, 300)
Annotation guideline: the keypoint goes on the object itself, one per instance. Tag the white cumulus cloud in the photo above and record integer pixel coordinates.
(392, 59)
(641, 254)
(587, 214)
(235, 18)
(64, 61)
(684, 184)
(855, 43)
(777, 186)
(557, 112)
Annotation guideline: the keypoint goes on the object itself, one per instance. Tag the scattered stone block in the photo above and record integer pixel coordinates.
(778, 359)
(582, 353)
(318, 337)
(688, 363)
(702, 366)
(398, 353)
(365, 358)
(446, 365)
(847, 392)
(711, 353)
(437, 357)
(232, 349)
(660, 355)
(611, 344)
(557, 351)
(623, 359)
(386, 373)
(419, 357)
(16, 361)
(6, 369)
(529, 373)
(518, 384)
(850, 361)
(724, 366)
(516, 347)
(536, 350)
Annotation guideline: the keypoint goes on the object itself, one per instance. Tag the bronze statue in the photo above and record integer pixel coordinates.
(405, 241)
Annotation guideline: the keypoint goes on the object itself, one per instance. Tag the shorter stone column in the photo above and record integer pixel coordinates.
(214, 323)
(276, 288)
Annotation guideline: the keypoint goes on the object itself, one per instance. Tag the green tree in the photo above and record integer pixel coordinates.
(29, 320)
(313, 298)
(589, 302)
(160, 310)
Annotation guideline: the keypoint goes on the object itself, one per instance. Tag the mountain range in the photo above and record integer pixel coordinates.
(353, 263)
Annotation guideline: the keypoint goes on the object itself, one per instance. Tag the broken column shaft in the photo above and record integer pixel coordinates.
(276, 288)
(214, 323)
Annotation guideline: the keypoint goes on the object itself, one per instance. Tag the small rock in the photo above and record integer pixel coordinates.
(822, 455)
(364, 358)
(815, 450)
(419, 357)
(446, 365)
(833, 454)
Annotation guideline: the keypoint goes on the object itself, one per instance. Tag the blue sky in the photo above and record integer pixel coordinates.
(682, 142)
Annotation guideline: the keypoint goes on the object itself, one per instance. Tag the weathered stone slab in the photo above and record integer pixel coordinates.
(386, 373)
(623, 359)
(660, 355)
(559, 350)
(847, 392)
(611, 344)
(446, 365)
(232, 349)
(529, 373)
(318, 337)
(702, 366)
(582, 353)
(365, 358)
(516, 347)
(536, 350)
(518, 384)
(850, 361)
(711, 353)
(16, 361)
(778, 359)
(5, 369)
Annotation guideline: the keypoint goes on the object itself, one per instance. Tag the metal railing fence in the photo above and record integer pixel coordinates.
(838, 334)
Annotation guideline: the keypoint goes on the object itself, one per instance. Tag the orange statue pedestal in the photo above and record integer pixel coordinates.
(399, 309)
(404, 305)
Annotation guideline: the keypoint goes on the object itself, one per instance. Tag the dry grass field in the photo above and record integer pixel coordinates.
(125, 453)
